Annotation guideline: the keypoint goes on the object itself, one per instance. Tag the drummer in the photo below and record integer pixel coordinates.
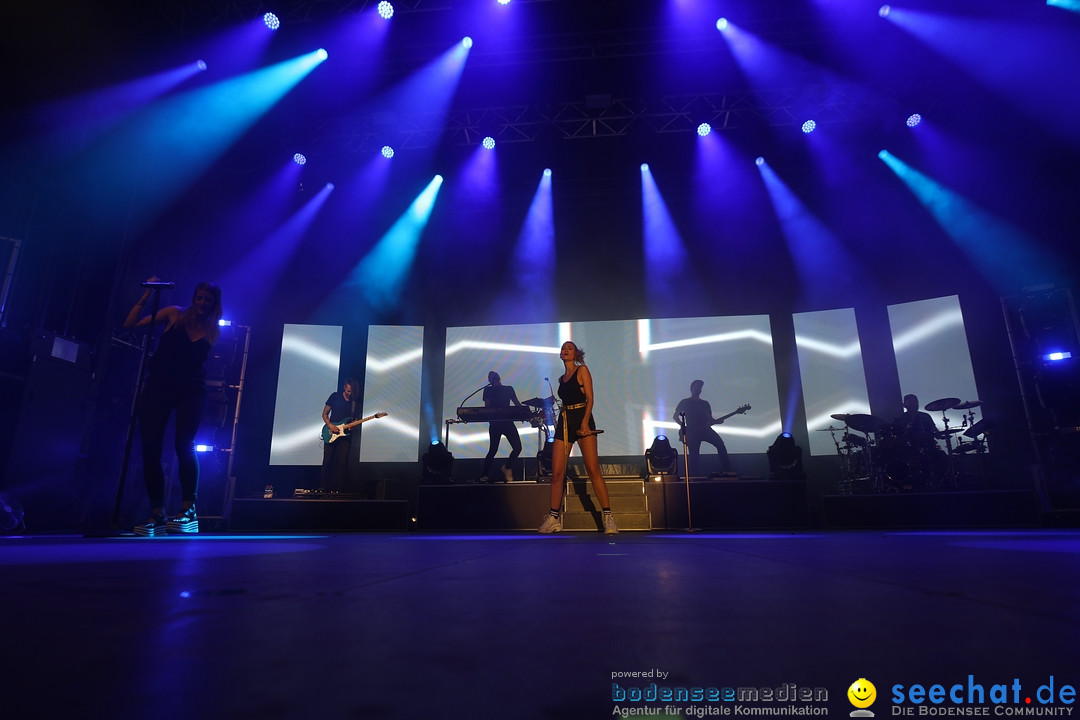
(917, 427)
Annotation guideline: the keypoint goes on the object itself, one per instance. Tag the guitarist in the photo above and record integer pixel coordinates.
(340, 407)
(695, 417)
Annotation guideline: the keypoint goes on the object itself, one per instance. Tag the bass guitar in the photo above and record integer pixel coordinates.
(716, 421)
(345, 426)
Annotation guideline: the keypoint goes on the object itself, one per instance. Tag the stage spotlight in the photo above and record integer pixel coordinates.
(321, 54)
(204, 448)
(271, 21)
(704, 129)
(759, 161)
(547, 172)
(809, 126)
(884, 11)
(785, 459)
(721, 24)
(437, 464)
(201, 64)
(1057, 356)
(661, 458)
(488, 143)
(466, 42)
(330, 186)
(299, 159)
(504, 2)
(386, 10)
(387, 152)
(914, 119)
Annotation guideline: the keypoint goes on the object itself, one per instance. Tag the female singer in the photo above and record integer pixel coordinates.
(575, 425)
(176, 382)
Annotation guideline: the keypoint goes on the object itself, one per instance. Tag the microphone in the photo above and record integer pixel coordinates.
(159, 284)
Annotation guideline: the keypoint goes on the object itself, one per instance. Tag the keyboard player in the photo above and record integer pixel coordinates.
(497, 395)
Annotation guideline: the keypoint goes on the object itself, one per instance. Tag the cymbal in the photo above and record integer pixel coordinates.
(978, 428)
(942, 434)
(865, 423)
(842, 417)
(829, 429)
(538, 402)
(942, 404)
(968, 404)
(968, 447)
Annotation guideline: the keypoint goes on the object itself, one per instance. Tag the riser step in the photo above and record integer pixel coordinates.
(616, 487)
(585, 522)
(575, 503)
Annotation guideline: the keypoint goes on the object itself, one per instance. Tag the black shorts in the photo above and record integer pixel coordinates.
(570, 422)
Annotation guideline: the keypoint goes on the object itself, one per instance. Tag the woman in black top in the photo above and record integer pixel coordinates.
(575, 424)
(175, 382)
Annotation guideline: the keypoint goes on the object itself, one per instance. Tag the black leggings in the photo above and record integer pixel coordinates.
(159, 399)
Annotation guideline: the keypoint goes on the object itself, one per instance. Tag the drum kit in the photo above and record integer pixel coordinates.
(894, 457)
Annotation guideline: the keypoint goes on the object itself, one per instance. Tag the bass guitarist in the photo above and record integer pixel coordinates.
(340, 406)
(695, 419)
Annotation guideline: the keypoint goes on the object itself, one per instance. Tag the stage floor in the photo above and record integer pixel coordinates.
(518, 625)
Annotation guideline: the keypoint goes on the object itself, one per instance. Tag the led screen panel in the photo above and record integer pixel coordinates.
(932, 357)
(307, 375)
(392, 382)
(833, 375)
(641, 369)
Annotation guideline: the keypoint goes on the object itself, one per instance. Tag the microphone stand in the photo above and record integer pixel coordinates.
(686, 471)
(156, 287)
(473, 393)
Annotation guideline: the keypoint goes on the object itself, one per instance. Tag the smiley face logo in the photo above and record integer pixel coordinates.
(862, 693)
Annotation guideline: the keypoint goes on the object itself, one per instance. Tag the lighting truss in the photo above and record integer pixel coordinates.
(576, 120)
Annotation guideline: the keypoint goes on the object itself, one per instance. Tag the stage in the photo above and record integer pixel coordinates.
(490, 625)
(639, 505)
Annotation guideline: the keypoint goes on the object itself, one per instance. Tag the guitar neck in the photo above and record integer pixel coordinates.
(354, 423)
(733, 413)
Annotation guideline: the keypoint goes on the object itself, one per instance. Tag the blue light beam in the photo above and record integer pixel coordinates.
(176, 139)
(532, 294)
(381, 274)
(822, 262)
(1004, 255)
(670, 282)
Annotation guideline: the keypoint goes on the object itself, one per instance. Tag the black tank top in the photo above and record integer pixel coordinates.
(571, 392)
(178, 358)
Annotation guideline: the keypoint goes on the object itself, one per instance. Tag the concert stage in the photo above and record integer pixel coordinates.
(521, 625)
(639, 505)
(322, 515)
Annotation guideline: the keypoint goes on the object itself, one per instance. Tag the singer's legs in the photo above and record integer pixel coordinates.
(154, 412)
(190, 407)
(589, 451)
(560, 453)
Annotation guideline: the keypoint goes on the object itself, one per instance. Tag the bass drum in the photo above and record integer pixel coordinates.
(913, 469)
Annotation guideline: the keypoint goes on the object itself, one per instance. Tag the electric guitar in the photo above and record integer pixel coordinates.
(716, 421)
(345, 426)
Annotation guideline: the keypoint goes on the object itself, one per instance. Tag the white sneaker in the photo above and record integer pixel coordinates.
(609, 524)
(550, 525)
(508, 474)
